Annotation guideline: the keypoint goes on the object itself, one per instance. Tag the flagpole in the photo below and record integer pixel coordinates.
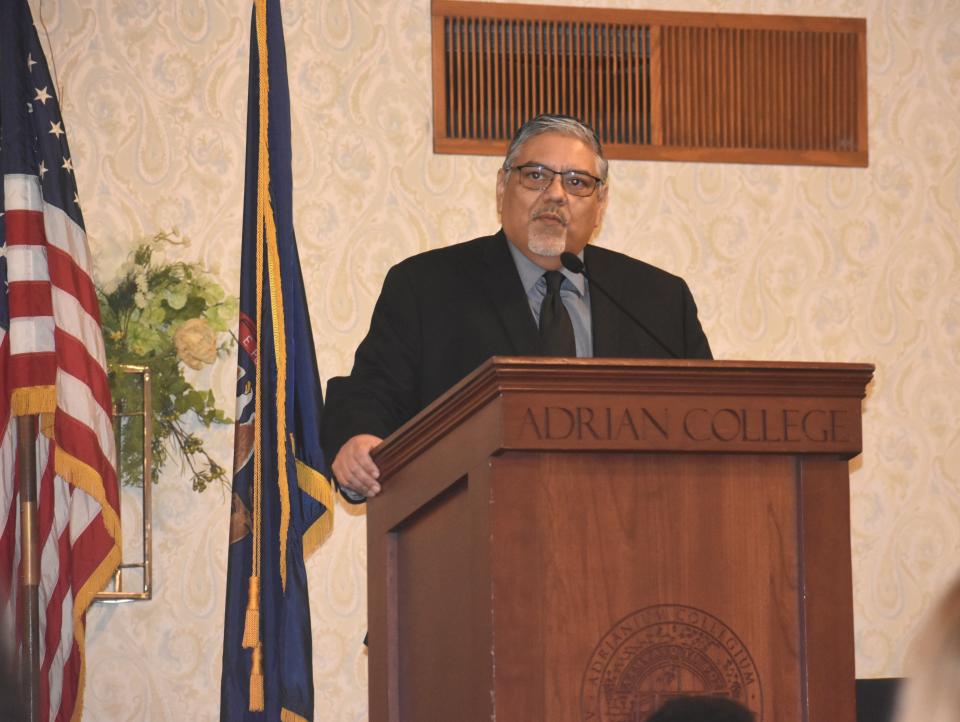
(30, 578)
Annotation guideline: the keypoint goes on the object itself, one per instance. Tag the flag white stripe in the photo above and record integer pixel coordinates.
(50, 553)
(21, 192)
(8, 613)
(8, 451)
(8, 623)
(51, 562)
(27, 263)
(15, 592)
(75, 399)
(66, 235)
(55, 677)
(73, 318)
(8, 499)
(83, 510)
(46, 554)
(31, 334)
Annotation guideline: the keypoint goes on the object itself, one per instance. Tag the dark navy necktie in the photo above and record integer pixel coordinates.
(556, 330)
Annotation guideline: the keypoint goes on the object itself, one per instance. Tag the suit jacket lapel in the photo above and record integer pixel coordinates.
(604, 316)
(501, 283)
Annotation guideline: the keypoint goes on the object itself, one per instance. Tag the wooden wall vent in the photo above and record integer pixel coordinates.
(655, 85)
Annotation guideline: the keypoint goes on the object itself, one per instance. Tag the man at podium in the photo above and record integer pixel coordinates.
(444, 312)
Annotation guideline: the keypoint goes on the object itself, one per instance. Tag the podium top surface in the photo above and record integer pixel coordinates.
(641, 375)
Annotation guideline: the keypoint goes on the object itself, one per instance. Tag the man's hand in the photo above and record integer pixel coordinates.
(353, 467)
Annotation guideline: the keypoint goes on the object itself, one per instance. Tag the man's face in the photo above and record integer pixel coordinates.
(544, 224)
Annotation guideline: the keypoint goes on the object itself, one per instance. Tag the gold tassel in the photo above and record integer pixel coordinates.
(251, 627)
(256, 681)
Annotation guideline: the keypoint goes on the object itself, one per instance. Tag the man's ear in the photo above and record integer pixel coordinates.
(501, 187)
(601, 205)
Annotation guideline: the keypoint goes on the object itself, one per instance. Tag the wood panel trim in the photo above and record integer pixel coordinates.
(825, 590)
(520, 11)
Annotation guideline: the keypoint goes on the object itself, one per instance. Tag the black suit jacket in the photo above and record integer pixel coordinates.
(444, 312)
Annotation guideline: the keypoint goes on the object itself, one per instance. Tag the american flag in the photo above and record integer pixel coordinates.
(52, 363)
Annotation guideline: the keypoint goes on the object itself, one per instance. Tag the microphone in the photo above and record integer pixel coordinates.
(573, 263)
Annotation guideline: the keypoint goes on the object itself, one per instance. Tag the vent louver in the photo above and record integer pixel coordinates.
(655, 85)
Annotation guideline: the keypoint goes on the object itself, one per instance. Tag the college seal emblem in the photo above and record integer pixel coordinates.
(661, 652)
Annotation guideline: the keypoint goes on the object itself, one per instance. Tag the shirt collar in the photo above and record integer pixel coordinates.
(530, 272)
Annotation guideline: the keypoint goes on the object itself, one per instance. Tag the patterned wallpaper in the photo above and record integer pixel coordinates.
(786, 263)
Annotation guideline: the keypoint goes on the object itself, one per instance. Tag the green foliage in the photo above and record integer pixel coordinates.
(159, 315)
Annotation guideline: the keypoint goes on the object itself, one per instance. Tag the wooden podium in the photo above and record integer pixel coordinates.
(581, 540)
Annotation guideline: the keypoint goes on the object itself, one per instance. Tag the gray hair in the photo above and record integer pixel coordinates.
(564, 124)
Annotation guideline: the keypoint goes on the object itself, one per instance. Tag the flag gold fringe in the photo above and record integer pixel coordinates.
(33, 400)
(288, 716)
(48, 426)
(280, 394)
(315, 484)
(251, 627)
(318, 533)
(95, 582)
(279, 325)
(85, 477)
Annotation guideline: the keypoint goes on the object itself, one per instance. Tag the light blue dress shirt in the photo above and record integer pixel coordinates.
(574, 293)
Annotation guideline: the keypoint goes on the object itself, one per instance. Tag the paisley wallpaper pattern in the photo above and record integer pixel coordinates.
(786, 264)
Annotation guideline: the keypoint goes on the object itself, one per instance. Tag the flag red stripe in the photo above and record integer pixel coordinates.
(30, 298)
(24, 228)
(88, 551)
(79, 440)
(71, 683)
(6, 385)
(45, 501)
(76, 360)
(8, 516)
(8, 543)
(32, 369)
(67, 275)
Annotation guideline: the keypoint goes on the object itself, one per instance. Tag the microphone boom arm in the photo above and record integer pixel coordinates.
(572, 263)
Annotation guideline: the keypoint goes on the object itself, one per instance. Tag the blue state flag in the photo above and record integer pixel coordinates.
(282, 504)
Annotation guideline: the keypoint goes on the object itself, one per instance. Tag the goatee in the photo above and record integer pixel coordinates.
(548, 244)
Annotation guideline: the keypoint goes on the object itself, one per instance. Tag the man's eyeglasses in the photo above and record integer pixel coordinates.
(538, 177)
